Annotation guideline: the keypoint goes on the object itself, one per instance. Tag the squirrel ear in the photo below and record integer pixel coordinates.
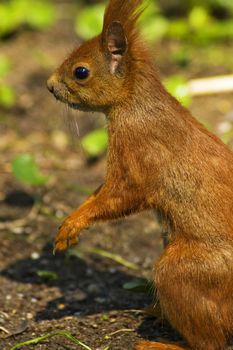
(116, 44)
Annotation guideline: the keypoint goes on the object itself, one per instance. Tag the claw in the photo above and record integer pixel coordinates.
(67, 236)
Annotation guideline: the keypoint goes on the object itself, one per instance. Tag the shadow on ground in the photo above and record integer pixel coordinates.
(86, 288)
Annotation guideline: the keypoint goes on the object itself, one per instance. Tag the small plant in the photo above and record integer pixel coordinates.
(7, 95)
(177, 86)
(95, 143)
(47, 275)
(139, 285)
(26, 171)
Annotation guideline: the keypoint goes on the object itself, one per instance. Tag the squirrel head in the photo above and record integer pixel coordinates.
(100, 73)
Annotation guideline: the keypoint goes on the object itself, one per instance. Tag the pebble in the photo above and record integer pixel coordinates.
(44, 262)
(35, 256)
(29, 316)
(2, 321)
(79, 295)
(113, 270)
(28, 230)
(93, 289)
(77, 313)
(100, 300)
(59, 214)
(47, 198)
(68, 318)
(230, 116)
(224, 127)
(147, 263)
(20, 295)
(59, 139)
(17, 230)
(89, 272)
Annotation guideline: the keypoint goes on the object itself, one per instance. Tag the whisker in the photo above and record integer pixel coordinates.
(77, 127)
(70, 119)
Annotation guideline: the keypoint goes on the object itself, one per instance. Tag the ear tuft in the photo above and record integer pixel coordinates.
(116, 44)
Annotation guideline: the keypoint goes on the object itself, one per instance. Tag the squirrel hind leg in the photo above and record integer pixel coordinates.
(147, 345)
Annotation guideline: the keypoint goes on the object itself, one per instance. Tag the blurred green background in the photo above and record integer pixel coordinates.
(191, 39)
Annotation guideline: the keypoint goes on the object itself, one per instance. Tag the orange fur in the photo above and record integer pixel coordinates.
(159, 157)
(125, 12)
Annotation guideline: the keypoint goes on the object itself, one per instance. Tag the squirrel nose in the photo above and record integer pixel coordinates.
(50, 83)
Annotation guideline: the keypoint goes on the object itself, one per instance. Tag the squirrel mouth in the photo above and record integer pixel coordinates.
(63, 94)
(59, 96)
(78, 106)
(62, 97)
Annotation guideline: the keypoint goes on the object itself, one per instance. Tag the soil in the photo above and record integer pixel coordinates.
(81, 291)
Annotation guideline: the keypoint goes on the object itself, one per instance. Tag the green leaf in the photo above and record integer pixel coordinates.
(26, 170)
(177, 86)
(153, 25)
(7, 20)
(227, 4)
(218, 30)
(178, 29)
(139, 285)
(15, 13)
(105, 317)
(199, 17)
(7, 96)
(155, 28)
(47, 275)
(4, 65)
(89, 21)
(96, 142)
(41, 15)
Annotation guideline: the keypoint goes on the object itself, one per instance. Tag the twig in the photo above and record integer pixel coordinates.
(4, 330)
(4, 314)
(212, 85)
(123, 330)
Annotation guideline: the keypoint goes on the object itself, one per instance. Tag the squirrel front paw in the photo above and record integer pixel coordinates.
(68, 234)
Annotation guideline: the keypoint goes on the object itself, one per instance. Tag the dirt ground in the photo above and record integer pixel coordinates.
(85, 295)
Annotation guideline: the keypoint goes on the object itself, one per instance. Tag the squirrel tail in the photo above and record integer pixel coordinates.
(147, 345)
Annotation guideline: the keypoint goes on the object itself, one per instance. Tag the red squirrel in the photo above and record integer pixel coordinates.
(159, 157)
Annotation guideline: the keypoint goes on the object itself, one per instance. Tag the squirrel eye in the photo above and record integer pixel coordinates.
(81, 73)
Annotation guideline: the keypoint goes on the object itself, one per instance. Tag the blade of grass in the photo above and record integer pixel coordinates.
(123, 330)
(115, 257)
(50, 335)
